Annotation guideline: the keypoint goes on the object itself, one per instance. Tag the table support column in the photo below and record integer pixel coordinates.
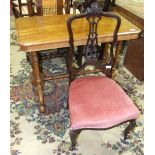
(38, 80)
(117, 56)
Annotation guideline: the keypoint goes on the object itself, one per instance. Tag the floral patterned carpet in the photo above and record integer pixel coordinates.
(33, 133)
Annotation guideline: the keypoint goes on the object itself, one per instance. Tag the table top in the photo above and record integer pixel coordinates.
(50, 32)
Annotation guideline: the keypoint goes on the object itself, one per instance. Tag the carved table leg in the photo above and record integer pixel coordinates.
(38, 80)
(105, 52)
(117, 56)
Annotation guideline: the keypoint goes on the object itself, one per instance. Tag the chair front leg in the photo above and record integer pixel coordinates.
(73, 137)
(130, 127)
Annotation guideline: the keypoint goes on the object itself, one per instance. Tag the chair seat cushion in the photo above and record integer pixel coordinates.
(99, 102)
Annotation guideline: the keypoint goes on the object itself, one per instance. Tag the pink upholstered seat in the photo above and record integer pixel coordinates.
(99, 102)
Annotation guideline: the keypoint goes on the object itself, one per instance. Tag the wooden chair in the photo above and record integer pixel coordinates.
(82, 5)
(22, 8)
(49, 7)
(96, 102)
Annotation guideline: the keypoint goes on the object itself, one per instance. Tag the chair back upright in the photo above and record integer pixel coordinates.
(92, 49)
(107, 5)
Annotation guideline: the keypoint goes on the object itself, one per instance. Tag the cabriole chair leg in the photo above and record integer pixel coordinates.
(130, 127)
(73, 136)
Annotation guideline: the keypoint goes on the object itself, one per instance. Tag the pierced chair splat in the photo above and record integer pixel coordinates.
(96, 102)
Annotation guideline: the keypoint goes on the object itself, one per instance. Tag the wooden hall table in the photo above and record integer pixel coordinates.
(49, 32)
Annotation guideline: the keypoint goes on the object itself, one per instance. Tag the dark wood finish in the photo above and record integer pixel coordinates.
(83, 5)
(106, 6)
(91, 54)
(73, 137)
(59, 7)
(75, 133)
(30, 8)
(39, 7)
(92, 50)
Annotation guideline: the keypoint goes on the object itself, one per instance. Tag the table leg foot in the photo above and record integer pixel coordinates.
(41, 98)
(42, 108)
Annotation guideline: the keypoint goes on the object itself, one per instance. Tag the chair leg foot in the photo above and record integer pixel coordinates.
(72, 148)
(130, 127)
(73, 137)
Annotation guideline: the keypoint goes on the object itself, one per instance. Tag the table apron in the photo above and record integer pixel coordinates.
(63, 44)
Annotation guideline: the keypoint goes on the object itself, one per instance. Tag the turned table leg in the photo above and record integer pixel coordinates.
(38, 80)
(105, 55)
(117, 56)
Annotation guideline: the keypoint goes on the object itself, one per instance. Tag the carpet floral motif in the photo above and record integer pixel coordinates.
(25, 102)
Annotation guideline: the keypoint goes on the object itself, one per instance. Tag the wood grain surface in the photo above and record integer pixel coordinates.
(49, 32)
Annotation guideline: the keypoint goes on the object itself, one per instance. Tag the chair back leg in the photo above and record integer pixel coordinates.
(130, 127)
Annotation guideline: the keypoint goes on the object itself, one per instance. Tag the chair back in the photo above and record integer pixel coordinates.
(23, 8)
(104, 4)
(49, 7)
(91, 54)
